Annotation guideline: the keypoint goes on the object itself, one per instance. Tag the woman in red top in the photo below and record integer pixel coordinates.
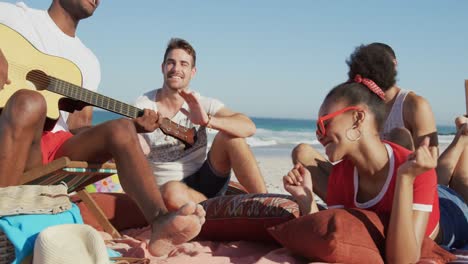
(375, 175)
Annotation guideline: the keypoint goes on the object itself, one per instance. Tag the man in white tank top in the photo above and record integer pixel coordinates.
(410, 118)
(25, 144)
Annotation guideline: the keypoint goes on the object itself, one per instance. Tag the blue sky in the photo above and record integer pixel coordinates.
(276, 58)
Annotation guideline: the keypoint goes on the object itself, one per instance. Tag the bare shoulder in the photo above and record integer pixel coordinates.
(419, 118)
(416, 103)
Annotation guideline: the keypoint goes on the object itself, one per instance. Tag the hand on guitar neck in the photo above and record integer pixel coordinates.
(149, 120)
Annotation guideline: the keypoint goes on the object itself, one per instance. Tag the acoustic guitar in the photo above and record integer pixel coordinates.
(57, 79)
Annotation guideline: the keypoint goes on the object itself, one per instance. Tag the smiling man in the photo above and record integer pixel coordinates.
(190, 174)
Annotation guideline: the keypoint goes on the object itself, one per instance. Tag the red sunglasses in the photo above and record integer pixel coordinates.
(321, 131)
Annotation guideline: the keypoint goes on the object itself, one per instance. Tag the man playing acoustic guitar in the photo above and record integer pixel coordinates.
(25, 144)
(190, 174)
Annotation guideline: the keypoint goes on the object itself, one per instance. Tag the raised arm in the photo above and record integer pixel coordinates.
(232, 123)
(408, 226)
(225, 120)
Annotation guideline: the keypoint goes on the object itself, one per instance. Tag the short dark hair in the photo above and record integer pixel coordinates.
(372, 62)
(178, 43)
(386, 47)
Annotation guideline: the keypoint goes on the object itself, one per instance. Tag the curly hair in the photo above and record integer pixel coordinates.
(178, 43)
(373, 62)
(386, 47)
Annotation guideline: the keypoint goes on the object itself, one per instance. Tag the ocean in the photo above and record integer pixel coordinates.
(278, 136)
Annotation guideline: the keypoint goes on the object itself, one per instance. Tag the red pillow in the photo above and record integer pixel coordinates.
(343, 236)
(246, 217)
(119, 208)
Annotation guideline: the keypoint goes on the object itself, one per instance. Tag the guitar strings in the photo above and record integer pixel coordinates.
(26, 69)
(46, 78)
(76, 91)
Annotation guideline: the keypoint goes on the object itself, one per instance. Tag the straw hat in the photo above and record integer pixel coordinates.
(70, 243)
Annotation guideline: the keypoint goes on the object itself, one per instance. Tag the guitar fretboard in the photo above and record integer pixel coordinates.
(78, 93)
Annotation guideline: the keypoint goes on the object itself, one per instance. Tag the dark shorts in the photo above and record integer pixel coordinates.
(207, 181)
(51, 142)
(453, 218)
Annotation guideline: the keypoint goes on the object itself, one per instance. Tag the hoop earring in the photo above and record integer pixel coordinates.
(351, 130)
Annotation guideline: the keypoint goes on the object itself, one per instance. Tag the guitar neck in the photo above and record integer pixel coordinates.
(75, 92)
(78, 93)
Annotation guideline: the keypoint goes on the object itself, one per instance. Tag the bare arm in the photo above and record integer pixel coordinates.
(298, 182)
(419, 119)
(407, 227)
(235, 124)
(454, 154)
(79, 120)
(225, 120)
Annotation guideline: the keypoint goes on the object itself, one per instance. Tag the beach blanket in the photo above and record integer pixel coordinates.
(133, 245)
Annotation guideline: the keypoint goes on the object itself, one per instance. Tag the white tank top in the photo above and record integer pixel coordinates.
(395, 117)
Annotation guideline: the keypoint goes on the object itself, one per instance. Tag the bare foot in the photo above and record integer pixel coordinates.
(176, 228)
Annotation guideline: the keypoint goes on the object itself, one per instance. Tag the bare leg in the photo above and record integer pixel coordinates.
(230, 152)
(21, 124)
(176, 194)
(452, 166)
(459, 181)
(118, 139)
(318, 166)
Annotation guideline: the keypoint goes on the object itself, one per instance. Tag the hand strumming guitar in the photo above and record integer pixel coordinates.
(3, 71)
(197, 114)
(148, 122)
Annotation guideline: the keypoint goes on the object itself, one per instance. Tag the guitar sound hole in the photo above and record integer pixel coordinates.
(39, 79)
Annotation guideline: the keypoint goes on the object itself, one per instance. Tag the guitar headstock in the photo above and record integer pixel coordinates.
(184, 134)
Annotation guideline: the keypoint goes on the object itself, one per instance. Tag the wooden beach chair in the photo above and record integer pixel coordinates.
(77, 175)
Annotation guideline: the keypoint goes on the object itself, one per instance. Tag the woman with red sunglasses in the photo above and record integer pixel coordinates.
(379, 175)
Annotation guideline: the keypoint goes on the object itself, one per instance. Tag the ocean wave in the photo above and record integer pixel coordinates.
(287, 138)
(446, 139)
(268, 138)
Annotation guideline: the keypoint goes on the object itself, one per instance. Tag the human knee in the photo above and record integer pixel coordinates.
(301, 151)
(28, 107)
(174, 194)
(122, 131)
